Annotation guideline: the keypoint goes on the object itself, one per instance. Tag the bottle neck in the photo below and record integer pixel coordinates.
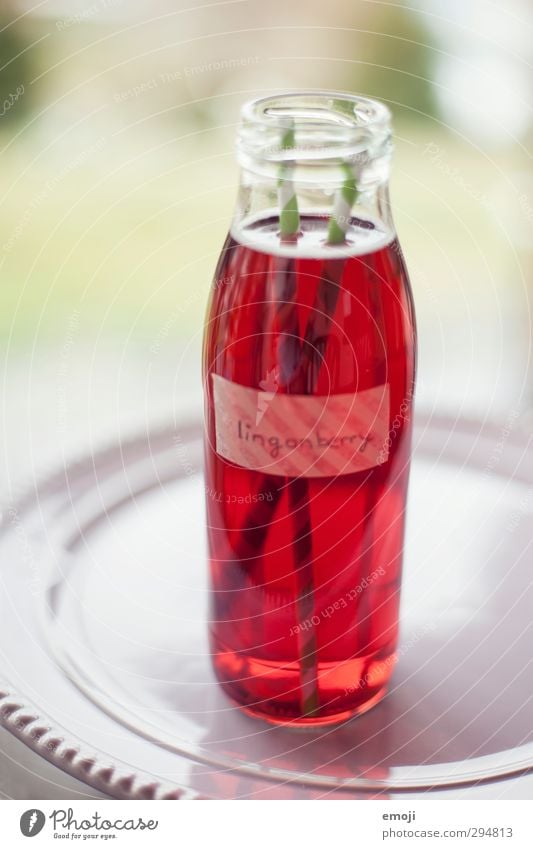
(314, 175)
(290, 216)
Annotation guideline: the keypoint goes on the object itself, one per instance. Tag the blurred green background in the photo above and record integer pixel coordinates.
(118, 180)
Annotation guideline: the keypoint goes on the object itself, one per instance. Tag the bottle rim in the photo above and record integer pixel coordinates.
(326, 125)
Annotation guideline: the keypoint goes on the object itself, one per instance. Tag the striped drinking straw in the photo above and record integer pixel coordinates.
(308, 357)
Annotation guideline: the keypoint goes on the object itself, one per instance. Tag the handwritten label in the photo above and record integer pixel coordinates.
(301, 435)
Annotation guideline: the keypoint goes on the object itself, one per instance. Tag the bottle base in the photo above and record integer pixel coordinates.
(271, 690)
(305, 722)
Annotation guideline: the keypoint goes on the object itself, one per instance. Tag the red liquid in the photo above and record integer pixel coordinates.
(305, 573)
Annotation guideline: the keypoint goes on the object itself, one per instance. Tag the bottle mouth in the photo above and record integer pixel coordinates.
(334, 127)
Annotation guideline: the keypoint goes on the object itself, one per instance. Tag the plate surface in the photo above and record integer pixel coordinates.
(104, 665)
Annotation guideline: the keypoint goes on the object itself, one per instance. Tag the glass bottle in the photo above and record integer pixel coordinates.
(309, 367)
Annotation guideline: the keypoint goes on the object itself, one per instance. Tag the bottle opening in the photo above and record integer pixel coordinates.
(326, 126)
(314, 177)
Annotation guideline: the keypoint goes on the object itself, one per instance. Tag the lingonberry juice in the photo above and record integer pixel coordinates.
(344, 535)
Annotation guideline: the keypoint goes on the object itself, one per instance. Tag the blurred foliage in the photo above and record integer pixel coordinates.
(399, 66)
(119, 218)
(16, 67)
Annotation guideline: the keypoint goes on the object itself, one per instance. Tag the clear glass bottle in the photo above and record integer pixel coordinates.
(309, 367)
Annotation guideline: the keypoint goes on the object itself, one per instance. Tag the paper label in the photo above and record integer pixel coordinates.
(311, 436)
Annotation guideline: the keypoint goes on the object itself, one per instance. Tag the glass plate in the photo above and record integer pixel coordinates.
(104, 612)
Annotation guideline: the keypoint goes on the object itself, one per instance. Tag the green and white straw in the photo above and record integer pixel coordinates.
(345, 198)
(289, 217)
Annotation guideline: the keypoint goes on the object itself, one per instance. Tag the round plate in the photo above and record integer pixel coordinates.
(105, 665)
